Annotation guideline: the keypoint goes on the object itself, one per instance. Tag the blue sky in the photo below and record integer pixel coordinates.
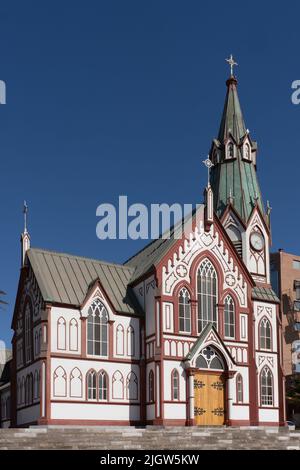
(124, 97)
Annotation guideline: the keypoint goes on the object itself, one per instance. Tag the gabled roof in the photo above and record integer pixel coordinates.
(143, 261)
(208, 335)
(65, 279)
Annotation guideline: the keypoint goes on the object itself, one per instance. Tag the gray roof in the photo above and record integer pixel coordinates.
(64, 278)
(264, 293)
(149, 256)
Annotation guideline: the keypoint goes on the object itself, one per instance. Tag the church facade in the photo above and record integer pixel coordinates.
(186, 332)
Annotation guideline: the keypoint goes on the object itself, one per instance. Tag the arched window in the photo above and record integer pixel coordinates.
(75, 383)
(91, 385)
(118, 385)
(266, 387)
(230, 150)
(229, 317)
(175, 385)
(61, 333)
(239, 389)
(151, 386)
(120, 340)
(247, 151)
(103, 385)
(73, 334)
(130, 341)
(207, 295)
(184, 311)
(97, 333)
(28, 333)
(60, 382)
(265, 333)
(132, 386)
(209, 358)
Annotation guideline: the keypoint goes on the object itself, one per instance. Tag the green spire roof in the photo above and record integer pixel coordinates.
(232, 118)
(234, 180)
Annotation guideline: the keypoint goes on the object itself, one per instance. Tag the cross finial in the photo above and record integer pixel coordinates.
(25, 210)
(269, 208)
(209, 164)
(232, 63)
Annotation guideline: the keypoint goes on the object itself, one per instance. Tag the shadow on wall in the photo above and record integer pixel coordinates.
(290, 335)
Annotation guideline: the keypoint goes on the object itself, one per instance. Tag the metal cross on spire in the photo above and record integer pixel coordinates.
(209, 164)
(25, 210)
(232, 63)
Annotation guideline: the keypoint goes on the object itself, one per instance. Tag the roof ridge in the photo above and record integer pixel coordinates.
(69, 255)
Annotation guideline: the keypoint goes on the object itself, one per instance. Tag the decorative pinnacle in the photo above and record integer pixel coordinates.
(25, 211)
(232, 63)
(209, 164)
(269, 208)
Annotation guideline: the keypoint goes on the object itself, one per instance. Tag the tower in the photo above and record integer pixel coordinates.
(237, 197)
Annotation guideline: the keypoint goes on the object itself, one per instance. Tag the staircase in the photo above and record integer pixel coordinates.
(151, 437)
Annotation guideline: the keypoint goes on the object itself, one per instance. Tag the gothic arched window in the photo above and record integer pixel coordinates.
(60, 382)
(97, 331)
(73, 335)
(209, 358)
(247, 151)
(265, 334)
(120, 340)
(266, 387)
(230, 150)
(91, 385)
(132, 386)
(130, 341)
(102, 386)
(75, 383)
(184, 308)
(229, 317)
(175, 384)
(61, 333)
(207, 295)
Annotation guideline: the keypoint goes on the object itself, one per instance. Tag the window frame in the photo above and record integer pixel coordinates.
(186, 309)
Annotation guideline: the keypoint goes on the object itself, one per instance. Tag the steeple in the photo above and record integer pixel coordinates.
(25, 237)
(233, 154)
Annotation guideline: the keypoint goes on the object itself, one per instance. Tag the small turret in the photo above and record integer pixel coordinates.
(25, 237)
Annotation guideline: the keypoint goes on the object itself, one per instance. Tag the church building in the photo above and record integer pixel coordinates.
(186, 332)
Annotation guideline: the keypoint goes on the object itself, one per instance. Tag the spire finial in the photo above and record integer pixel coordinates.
(232, 63)
(269, 208)
(25, 210)
(209, 164)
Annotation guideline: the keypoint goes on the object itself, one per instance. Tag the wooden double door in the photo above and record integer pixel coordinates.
(209, 399)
